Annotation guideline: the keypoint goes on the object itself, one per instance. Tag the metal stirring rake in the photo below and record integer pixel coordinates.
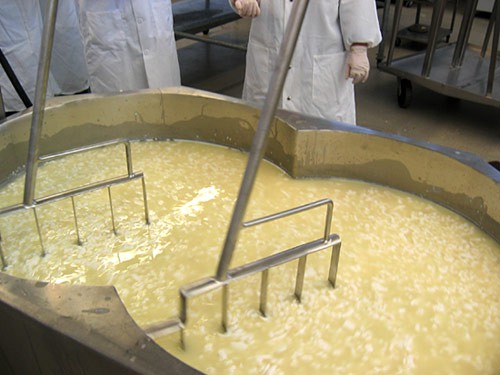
(29, 200)
(224, 276)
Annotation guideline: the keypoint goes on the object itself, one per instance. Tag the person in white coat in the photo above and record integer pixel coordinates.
(21, 25)
(330, 56)
(129, 44)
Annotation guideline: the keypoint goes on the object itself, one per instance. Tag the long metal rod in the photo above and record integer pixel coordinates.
(87, 188)
(208, 40)
(4, 262)
(77, 191)
(494, 50)
(78, 238)
(436, 21)
(334, 264)
(39, 230)
(263, 292)
(210, 284)
(489, 30)
(225, 306)
(40, 99)
(385, 29)
(296, 210)
(299, 282)
(468, 31)
(2, 107)
(261, 136)
(464, 32)
(394, 33)
(81, 149)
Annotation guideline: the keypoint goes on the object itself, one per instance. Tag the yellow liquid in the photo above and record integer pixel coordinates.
(418, 287)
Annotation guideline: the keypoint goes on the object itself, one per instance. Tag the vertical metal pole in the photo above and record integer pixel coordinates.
(299, 283)
(183, 318)
(145, 199)
(263, 292)
(112, 211)
(4, 263)
(463, 34)
(334, 264)
(40, 98)
(328, 221)
(78, 239)
(437, 19)
(489, 29)
(39, 231)
(128, 156)
(494, 50)
(385, 23)
(394, 33)
(419, 11)
(260, 139)
(225, 303)
(2, 108)
(183, 308)
(182, 338)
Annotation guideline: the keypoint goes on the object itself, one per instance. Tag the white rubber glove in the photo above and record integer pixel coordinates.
(247, 8)
(358, 66)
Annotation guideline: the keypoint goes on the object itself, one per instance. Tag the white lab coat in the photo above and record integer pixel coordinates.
(21, 25)
(129, 44)
(316, 83)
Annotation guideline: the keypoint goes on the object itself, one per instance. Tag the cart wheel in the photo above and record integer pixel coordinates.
(404, 92)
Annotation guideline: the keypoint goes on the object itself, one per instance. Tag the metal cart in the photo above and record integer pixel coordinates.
(457, 69)
(419, 32)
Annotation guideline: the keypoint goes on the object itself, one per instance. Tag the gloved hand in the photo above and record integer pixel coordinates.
(247, 8)
(358, 65)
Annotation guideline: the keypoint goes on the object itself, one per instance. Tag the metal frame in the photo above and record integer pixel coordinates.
(71, 193)
(444, 33)
(34, 159)
(224, 276)
(456, 69)
(210, 284)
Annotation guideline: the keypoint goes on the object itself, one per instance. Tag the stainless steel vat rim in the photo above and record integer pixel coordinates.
(295, 120)
(53, 306)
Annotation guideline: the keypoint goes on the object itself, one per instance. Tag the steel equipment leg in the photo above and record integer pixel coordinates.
(494, 49)
(463, 35)
(489, 30)
(395, 27)
(437, 18)
(385, 24)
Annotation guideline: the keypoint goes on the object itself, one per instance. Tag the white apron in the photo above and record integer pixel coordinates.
(316, 83)
(129, 44)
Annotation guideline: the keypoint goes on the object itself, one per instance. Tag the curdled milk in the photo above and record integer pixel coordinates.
(418, 287)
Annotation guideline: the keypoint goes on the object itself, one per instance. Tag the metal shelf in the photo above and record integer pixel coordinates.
(457, 69)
